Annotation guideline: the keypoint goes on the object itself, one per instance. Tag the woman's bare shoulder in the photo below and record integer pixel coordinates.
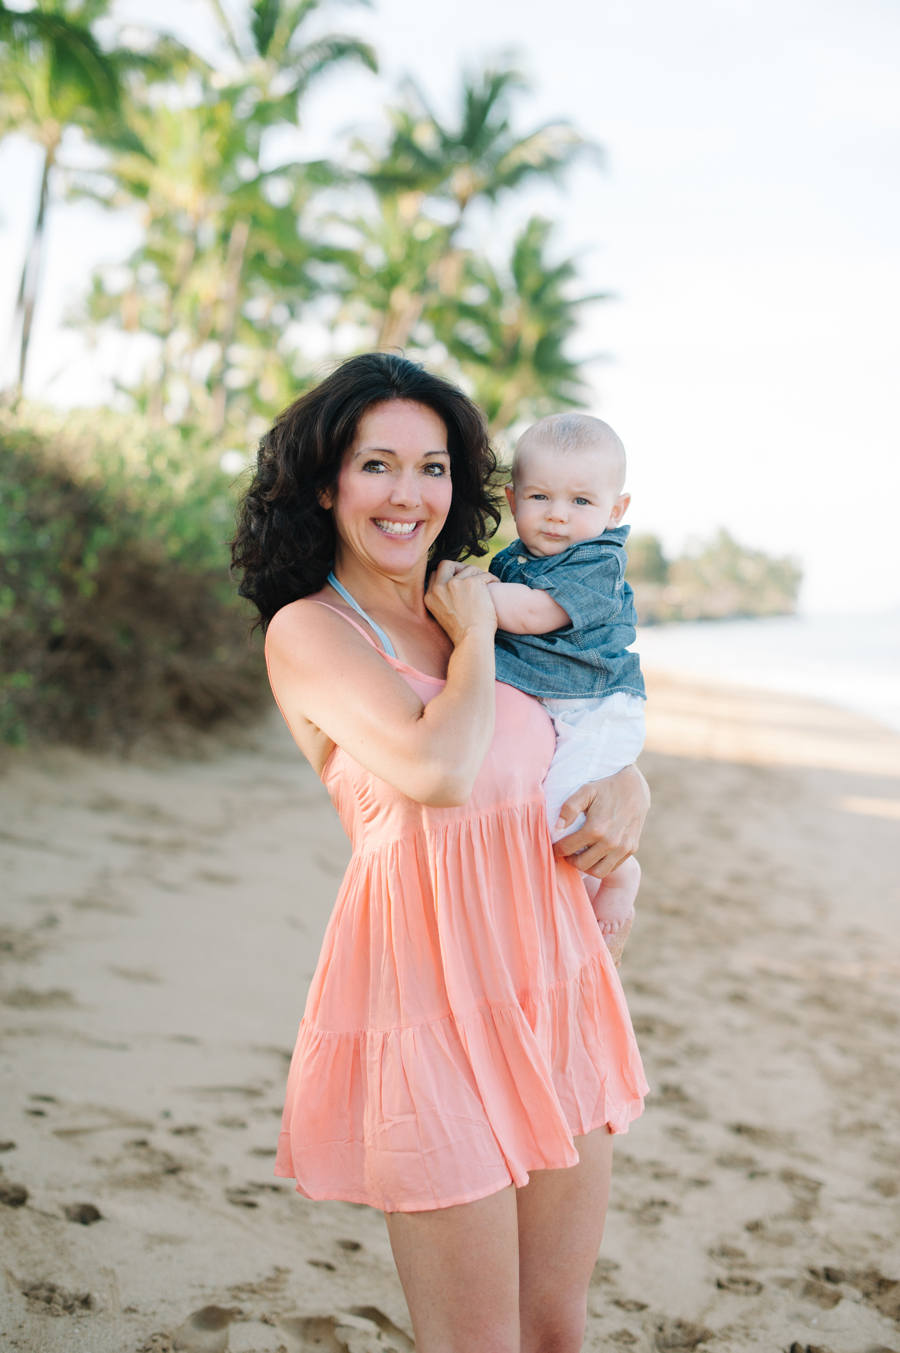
(303, 629)
(300, 618)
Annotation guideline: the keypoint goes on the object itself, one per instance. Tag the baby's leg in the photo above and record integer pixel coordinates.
(612, 898)
(594, 739)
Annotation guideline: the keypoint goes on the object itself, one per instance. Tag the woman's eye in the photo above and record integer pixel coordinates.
(435, 471)
(374, 467)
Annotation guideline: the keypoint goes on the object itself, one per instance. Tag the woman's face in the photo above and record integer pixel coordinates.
(393, 490)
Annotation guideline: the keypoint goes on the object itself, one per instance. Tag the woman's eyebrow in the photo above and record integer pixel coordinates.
(389, 451)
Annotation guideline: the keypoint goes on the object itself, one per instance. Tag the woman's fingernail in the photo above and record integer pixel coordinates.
(560, 823)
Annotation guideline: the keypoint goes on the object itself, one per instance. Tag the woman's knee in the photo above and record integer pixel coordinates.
(558, 1331)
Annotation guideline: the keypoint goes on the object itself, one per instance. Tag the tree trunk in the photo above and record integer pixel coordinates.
(231, 296)
(515, 392)
(31, 269)
(401, 317)
(184, 259)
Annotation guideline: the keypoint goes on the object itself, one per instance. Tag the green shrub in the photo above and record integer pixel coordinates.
(716, 580)
(646, 561)
(117, 616)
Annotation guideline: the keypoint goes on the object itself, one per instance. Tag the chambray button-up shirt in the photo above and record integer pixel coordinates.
(588, 658)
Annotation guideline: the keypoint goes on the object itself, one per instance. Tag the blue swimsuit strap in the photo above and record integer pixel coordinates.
(342, 591)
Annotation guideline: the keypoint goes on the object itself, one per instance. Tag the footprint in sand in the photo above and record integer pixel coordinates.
(56, 1300)
(762, 1136)
(85, 1214)
(805, 1193)
(823, 1294)
(392, 1332)
(742, 1286)
(797, 1347)
(13, 1195)
(24, 998)
(675, 1097)
(363, 1329)
(206, 1331)
(877, 1290)
(680, 1334)
(241, 1198)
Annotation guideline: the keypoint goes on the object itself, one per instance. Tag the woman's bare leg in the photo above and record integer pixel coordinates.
(561, 1215)
(459, 1267)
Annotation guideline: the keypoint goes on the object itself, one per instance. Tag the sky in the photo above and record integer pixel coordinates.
(746, 221)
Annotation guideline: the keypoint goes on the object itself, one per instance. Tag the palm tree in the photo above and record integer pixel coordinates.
(54, 75)
(426, 183)
(221, 231)
(508, 333)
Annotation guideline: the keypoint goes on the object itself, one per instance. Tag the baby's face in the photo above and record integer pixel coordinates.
(560, 498)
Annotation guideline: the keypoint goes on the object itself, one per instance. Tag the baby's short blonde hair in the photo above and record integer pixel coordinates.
(571, 432)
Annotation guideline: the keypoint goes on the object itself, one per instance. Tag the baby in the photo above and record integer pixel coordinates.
(566, 616)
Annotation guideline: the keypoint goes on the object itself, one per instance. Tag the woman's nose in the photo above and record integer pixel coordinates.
(405, 491)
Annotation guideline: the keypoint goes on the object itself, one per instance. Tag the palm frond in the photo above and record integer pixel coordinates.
(323, 53)
(75, 56)
(266, 14)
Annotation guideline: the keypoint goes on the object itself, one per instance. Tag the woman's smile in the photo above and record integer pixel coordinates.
(396, 528)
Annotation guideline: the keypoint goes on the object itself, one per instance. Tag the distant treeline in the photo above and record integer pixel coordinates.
(718, 580)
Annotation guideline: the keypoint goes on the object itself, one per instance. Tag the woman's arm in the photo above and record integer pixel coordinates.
(525, 610)
(614, 809)
(324, 673)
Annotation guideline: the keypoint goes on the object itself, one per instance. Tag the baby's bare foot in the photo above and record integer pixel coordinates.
(612, 898)
(612, 925)
(616, 943)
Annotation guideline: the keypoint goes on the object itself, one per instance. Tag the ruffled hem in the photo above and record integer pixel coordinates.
(438, 1113)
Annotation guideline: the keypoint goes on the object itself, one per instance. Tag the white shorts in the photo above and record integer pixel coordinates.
(594, 738)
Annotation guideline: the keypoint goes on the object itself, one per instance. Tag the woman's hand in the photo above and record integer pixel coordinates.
(614, 809)
(457, 598)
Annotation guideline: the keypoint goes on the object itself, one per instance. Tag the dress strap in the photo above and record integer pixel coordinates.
(342, 591)
(359, 629)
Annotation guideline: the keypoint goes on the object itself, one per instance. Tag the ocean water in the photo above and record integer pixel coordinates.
(849, 661)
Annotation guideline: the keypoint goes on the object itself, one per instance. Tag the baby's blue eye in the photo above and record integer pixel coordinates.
(583, 502)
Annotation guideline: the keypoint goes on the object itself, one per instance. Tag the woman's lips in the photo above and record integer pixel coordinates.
(397, 530)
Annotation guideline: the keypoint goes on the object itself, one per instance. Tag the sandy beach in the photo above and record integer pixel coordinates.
(160, 924)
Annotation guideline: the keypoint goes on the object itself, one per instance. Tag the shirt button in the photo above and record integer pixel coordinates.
(521, 559)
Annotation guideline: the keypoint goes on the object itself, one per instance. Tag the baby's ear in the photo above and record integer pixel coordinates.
(620, 507)
(510, 498)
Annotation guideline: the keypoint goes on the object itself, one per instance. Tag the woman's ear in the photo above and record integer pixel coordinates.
(326, 499)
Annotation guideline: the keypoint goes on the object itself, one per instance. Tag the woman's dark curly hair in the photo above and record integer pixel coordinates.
(284, 544)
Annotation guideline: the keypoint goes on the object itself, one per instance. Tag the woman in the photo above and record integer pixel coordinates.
(466, 1051)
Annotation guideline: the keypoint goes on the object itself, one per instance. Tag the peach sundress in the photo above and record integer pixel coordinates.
(465, 1019)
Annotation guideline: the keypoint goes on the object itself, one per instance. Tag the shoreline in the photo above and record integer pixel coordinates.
(850, 662)
(162, 922)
